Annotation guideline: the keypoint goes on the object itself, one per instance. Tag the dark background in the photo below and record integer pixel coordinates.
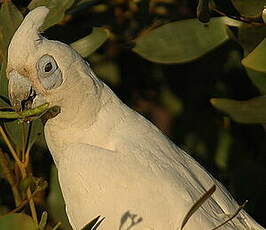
(194, 124)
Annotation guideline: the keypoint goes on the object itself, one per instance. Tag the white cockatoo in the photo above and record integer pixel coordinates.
(111, 161)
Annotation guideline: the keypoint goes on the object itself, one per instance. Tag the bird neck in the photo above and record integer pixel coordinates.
(82, 120)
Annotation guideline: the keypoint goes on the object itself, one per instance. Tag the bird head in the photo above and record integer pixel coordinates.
(41, 70)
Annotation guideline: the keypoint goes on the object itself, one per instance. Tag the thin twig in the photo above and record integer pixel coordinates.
(233, 216)
(23, 141)
(203, 13)
(255, 20)
(23, 173)
(10, 177)
(197, 205)
(10, 147)
(22, 204)
(29, 196)
(32, 206)
(23, 114)
(27, 158)
(57, 226)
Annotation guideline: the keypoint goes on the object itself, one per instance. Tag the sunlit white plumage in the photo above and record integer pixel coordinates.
(111, 161)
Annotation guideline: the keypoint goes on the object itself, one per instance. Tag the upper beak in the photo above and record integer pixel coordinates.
(19, 90)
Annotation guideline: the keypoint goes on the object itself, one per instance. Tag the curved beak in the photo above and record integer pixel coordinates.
(19, 90)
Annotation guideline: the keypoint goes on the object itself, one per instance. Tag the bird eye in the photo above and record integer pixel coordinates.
(49, 73)
(48, 67)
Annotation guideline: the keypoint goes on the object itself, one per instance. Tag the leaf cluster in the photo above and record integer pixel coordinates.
(159, 33)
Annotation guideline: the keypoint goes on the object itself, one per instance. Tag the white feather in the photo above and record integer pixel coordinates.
(112, 161)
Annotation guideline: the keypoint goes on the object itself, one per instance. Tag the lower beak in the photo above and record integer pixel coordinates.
(19, 90)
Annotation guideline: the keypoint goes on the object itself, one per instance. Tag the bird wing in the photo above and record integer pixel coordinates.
(97, 181)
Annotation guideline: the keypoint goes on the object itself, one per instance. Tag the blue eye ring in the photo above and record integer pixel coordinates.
(49, 74)
(46, 65)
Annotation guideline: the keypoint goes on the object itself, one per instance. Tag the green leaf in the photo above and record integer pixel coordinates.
(36, 129)
(249, 36)
(181, 41)
(87, 45)
(43, 220)
(57, 226)
(255, 64)
(264, 16)
(57, 10)
(249, 8)
(256, 59)
(258, 79)
(17, 221)
(250, 111)
(4, 102)
(3, 80)
(232, 22)
(17, 132)
(10, 19)
(25, 113)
